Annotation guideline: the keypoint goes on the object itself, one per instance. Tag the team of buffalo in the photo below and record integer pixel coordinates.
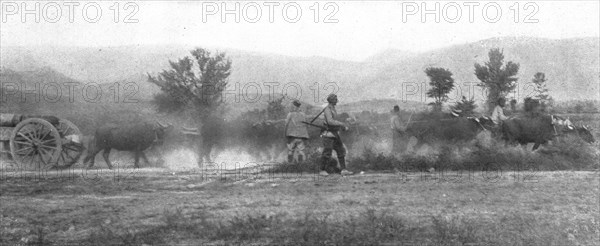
(265, 139)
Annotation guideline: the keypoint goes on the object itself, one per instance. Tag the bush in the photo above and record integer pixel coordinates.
(486, 153)
(572, 153)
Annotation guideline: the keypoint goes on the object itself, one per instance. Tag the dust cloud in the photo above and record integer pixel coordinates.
(185, 159)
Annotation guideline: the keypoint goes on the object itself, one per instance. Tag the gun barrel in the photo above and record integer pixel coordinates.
(326, 127)
(315, 125)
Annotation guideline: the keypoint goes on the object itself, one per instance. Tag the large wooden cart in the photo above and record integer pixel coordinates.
(40, 142)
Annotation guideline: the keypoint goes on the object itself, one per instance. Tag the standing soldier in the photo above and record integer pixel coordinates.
(498, 116)
(498, 112)
(398, 132)
(295, 133)
(331, 137)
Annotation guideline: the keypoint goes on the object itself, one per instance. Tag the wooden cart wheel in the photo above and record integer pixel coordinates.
(35, 144)
(71, 144)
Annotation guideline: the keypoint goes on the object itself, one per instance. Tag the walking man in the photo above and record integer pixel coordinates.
(296, 133)
(398, 132)
(331, 137)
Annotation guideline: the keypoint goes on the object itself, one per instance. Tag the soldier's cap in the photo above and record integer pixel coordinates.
(331, 97)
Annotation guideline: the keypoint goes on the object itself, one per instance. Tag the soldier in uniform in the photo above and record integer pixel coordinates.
(498, 112)
(498, 116)
(296, 133)
(398, 132)
(331, 137)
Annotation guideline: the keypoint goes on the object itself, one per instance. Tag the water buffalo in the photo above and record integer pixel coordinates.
(540, 129)
(212, 133)
(583, 132)
(564, 126)
(523, 130)
(434, 127)
(265, 139)
(136, 138)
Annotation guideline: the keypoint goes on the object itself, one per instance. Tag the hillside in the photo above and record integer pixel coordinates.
(571, 67)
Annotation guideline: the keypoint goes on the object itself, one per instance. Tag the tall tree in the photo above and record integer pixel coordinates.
(496, 79)
(540, 89)
(441, 83)
(197, 84)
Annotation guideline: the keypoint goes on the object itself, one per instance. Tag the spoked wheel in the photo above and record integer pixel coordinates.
(71, 144)
(35, 144)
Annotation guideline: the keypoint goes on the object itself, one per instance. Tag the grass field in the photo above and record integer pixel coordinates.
(160, 206)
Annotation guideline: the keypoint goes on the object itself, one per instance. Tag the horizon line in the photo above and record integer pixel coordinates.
(216, 48)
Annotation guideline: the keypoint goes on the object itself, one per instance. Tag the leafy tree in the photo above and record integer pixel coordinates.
(498, 80)
(539, 81)
(540, 90)
(466, 106)
(197, 84)
(441, 83)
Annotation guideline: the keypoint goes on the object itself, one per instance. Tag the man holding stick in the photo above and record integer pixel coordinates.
(331, 137)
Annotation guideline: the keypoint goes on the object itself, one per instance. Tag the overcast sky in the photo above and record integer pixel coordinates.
(362, 28)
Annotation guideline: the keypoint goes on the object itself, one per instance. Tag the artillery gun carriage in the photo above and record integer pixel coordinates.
(37, 142)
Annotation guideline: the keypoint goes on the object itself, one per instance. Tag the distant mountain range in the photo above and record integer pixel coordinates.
(571, 67)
